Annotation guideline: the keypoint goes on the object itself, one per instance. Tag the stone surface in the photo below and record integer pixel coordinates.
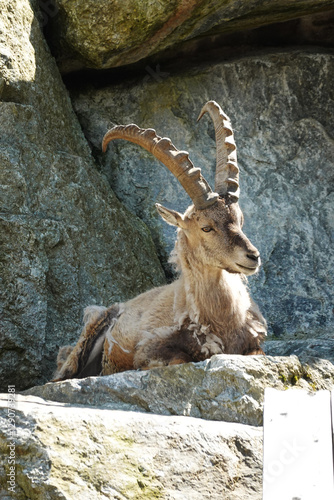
(304, 349)
(65, 239)
(134, 435)
(282, 107)
(227, 387)
(70, 452)
(85, 33)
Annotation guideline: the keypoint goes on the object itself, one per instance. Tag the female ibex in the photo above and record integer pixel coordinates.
(207, 310)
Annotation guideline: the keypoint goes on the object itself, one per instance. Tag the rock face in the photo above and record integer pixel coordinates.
(66, 241)
(191, 431)
(66, 452)
(112, 33)
(282, 108)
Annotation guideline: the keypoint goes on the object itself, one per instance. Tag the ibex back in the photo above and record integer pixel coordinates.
(207, 310)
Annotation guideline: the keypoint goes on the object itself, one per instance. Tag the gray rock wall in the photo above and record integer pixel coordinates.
(282, 107)
(64, 234)
(65, 239)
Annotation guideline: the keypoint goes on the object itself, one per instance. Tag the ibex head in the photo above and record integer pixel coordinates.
(212, 226)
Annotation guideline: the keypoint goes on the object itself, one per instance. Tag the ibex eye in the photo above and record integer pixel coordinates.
(207, 229)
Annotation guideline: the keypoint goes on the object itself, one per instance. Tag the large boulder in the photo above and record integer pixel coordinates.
(69, 452)
(282, 108)
(188, 431)
(66, 240)
(135, 434)
(86, 33)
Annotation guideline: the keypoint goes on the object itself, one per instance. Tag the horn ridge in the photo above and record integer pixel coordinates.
(178, 162)
(227, 170)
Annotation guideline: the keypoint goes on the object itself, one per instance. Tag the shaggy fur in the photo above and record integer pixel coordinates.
(85, 359)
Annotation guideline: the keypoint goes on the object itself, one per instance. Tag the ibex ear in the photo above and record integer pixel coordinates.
(170, 216)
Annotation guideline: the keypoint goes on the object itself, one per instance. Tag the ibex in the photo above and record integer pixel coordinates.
(207, 310)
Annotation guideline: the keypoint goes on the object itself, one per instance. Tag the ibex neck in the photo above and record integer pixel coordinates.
(213, 296)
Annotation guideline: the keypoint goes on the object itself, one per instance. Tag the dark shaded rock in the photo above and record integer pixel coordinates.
(65, 239)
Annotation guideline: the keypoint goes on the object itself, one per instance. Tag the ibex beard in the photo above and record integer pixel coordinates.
(208, 309)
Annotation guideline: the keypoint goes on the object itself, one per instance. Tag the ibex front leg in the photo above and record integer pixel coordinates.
(173, 346)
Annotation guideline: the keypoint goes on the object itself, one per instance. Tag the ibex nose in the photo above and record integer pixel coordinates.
(254, 256)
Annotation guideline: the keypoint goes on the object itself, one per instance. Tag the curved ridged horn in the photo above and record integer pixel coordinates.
(176, 161)
(227, 171)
